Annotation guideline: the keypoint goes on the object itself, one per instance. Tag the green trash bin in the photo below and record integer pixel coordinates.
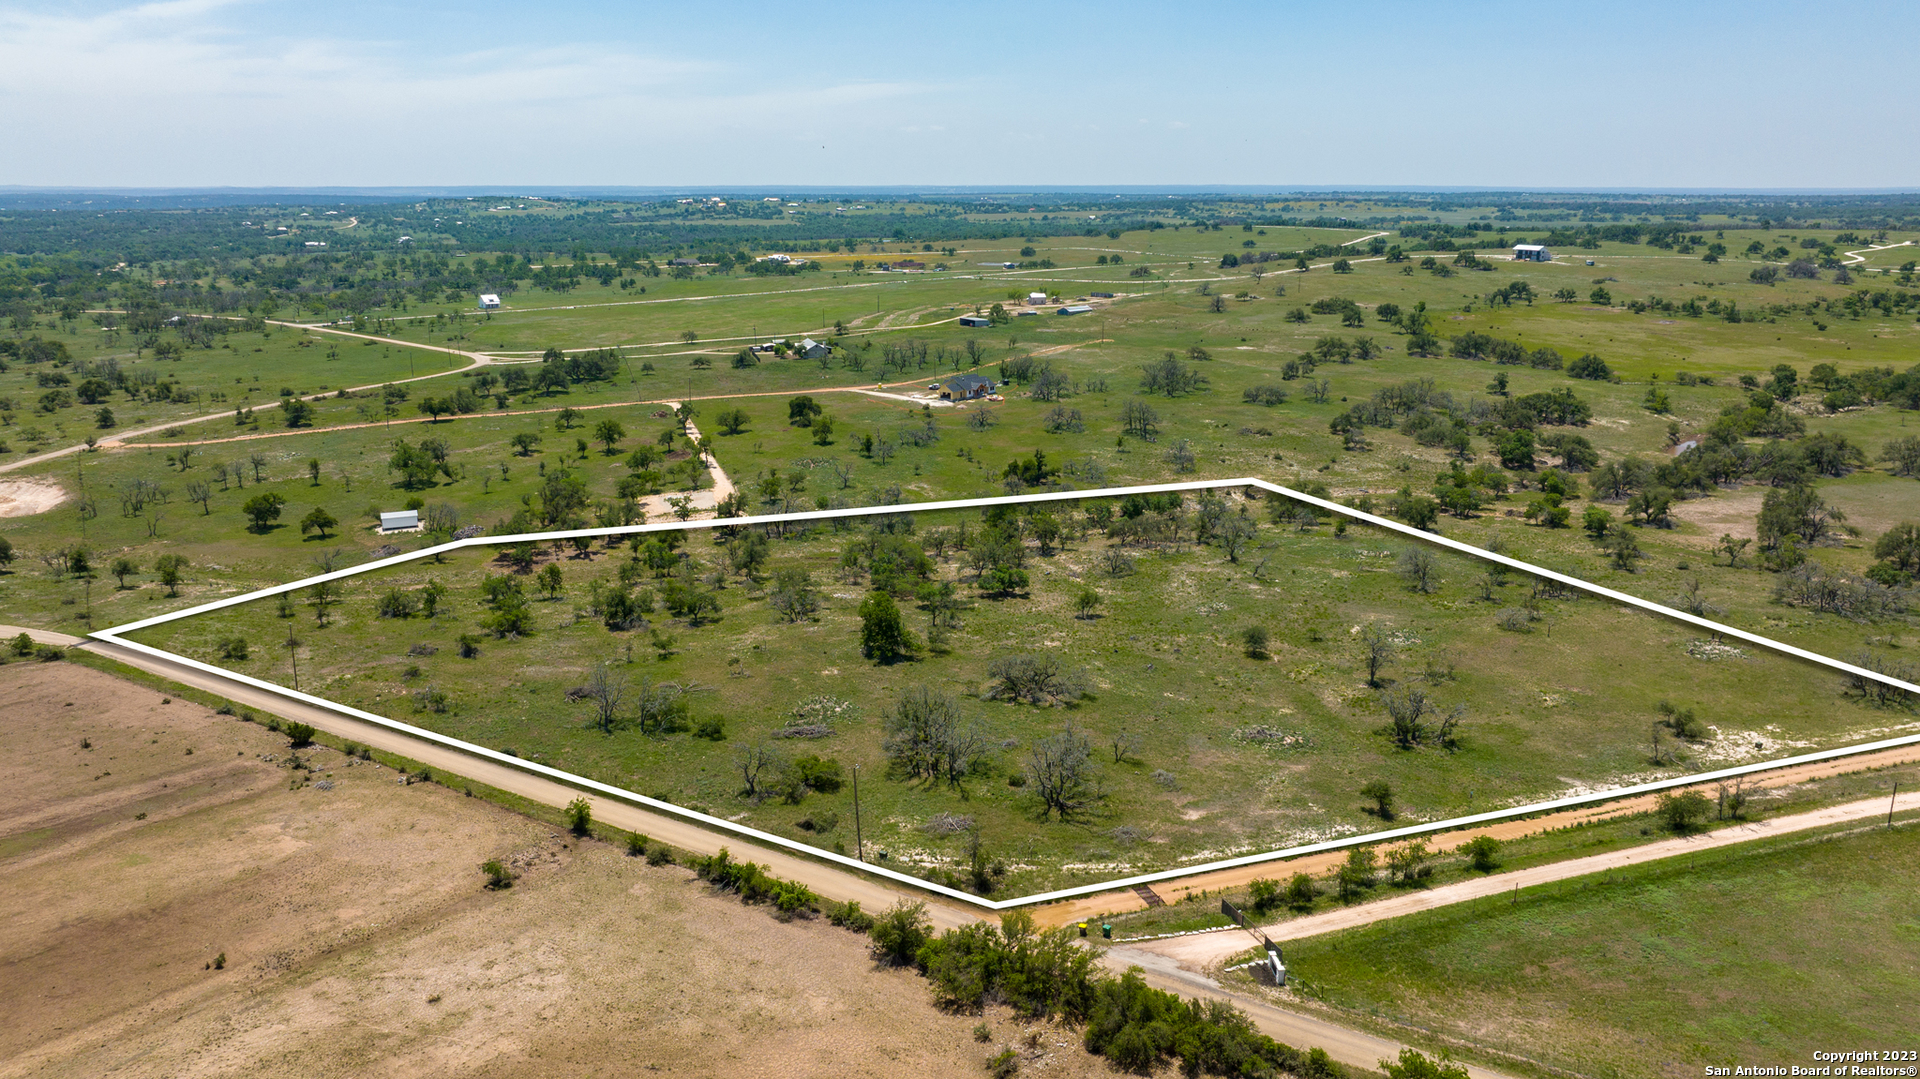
(1106, 930)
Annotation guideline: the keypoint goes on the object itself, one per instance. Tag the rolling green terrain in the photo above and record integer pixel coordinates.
(1663, 969)
(1203, 747)
(1291, 347)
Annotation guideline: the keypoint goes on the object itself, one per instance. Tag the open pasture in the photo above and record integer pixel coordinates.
(724, 700)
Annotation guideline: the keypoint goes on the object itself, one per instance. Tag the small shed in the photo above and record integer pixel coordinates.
(399, 520)
(976, 321)
(812, 350)
(1531, 253)
(1036, 299)
(1074, 309)
(489, 301)
(966, 388)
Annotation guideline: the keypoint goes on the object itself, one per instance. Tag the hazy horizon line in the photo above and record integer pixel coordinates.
(591, 190)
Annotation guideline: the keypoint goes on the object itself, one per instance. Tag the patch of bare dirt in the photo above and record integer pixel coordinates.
(358, 938)
(24, 498)
(1731, 513)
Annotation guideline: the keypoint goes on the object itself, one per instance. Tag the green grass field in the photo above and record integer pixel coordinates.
(1101, 355)
(243, 370)
(1660, 970)
(1252, 754)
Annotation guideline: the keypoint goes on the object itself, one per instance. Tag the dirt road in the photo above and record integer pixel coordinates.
(1348, 1046)
(704, 502)
(122, 443)
(1200, 951)
(1341, 1043)
(41, 636)
(1120, 902)
(475, 359)
(832, 883)
(1855, 257)
(144, 838)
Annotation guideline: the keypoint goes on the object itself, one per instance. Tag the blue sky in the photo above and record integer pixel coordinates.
(270, 93)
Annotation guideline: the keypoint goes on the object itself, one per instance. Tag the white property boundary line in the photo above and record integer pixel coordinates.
(114, 635)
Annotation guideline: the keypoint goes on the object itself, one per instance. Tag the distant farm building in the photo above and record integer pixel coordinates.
(399, 520)
(976, 321)
(812, 350)
(489, 301)
(1531, 253)
(1074, 309)
(683, 262)
(1102, 295)
(966, 388)
(1036, 299)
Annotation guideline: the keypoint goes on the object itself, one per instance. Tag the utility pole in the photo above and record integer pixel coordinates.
(293, 656)
(1890, 800)
(859, 844)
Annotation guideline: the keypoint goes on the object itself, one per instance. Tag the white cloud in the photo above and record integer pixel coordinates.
(169, 93)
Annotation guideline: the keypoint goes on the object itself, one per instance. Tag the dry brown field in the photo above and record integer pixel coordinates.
(141, 838)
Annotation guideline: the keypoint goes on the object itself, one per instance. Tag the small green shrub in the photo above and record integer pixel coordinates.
(580, 817)
(1416, 1065)
(659, 854)
(301, 734)
(900, 933)
(1480, 851)
(1003, 1065)
(1380, 793)
(1255, 639)
(498, 875)
(1680, 811)
(849, 916)
(636, 844)
(753, 884)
